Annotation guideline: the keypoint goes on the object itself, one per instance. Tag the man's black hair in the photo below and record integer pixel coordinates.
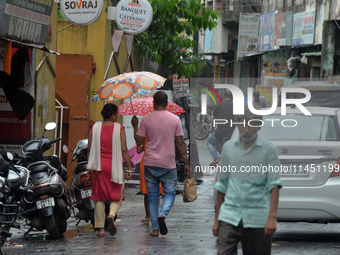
(228, 94)
(256, 93)
(160, 98)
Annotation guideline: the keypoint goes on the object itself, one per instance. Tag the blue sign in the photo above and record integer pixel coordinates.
(266, 31)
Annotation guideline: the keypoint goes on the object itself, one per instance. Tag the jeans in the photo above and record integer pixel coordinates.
(168, 178)
(211, 143)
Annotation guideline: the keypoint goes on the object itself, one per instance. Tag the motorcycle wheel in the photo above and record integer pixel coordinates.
(62, 228)
(202, 132)
(51, 227)
(3, 237)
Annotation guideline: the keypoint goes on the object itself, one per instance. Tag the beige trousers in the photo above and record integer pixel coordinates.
(99, 210)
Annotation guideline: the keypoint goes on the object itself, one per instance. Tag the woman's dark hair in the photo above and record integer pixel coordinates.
(108, 110)
(160, 98)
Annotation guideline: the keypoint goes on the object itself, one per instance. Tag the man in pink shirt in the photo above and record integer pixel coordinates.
(163, 130)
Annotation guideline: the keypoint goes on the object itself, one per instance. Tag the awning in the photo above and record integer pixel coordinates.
(31, 45)
(312, 54)
(254, 54)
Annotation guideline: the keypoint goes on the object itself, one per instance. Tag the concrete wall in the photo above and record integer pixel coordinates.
(45, 81)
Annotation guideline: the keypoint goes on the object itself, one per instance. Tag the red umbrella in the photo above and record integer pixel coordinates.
(143, 106)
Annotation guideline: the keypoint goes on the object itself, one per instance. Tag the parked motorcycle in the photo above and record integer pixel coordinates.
(13, 183)
(81, 185)
(202, 126)
(47, 207)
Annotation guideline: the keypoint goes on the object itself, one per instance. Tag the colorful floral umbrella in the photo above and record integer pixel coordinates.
(127, 85)
(143, 106)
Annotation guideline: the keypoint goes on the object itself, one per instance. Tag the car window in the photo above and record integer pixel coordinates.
(308, 128)
(320, 98)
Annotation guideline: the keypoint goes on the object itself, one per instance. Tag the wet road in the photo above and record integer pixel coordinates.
(189, 227)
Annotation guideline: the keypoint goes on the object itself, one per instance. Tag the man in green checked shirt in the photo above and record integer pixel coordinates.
(247, 198)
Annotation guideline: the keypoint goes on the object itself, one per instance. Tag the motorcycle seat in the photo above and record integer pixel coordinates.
(80, 167)
(41, 166)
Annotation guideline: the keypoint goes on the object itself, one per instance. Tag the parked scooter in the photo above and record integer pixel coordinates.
(13, 182)
(81, 185)
(48, 206)
(202, 125)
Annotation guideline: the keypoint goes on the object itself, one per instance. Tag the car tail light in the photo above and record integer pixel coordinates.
(86, 181)
(336, 169)
(41, 185)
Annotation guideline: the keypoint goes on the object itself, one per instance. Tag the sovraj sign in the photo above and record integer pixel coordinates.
(81, 12)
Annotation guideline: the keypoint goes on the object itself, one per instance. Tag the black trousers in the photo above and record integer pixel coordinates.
(253, 240)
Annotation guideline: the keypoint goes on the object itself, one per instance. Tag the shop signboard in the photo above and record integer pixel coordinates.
(276, 64)
(266, 31)
(283, 29)
(297, 29)
(133, 18)
(25, 20)
(248, 34)
(81, 13)
(180, 86)
(308, 27)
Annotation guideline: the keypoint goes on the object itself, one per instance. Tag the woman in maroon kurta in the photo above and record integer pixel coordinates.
(109, 145)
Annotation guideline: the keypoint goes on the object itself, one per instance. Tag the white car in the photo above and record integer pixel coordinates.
(309, 156)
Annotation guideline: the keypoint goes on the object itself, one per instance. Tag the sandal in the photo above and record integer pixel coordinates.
(154, 234)
(162, 226)
(100, 234)
(145, 220)
(112, 226)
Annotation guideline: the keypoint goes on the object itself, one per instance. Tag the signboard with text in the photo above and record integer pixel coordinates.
(248, 34)
(297, 29)
(180, 86)
(276, 64)
(25, 20)
(266, 31)
(283, 29)
(83, 12)
(133, 18)
(308, 27)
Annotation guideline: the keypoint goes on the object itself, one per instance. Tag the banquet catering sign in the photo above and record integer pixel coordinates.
(133, 17)
(81, 12)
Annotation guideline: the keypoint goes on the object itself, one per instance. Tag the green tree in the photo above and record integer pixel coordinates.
(167, 40)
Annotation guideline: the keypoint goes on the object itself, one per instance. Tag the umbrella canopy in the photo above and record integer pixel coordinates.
(127, 85)
(143, 106)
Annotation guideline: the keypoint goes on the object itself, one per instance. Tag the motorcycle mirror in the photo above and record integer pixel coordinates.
(50, 126)
(65, 148)
(9, 156)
